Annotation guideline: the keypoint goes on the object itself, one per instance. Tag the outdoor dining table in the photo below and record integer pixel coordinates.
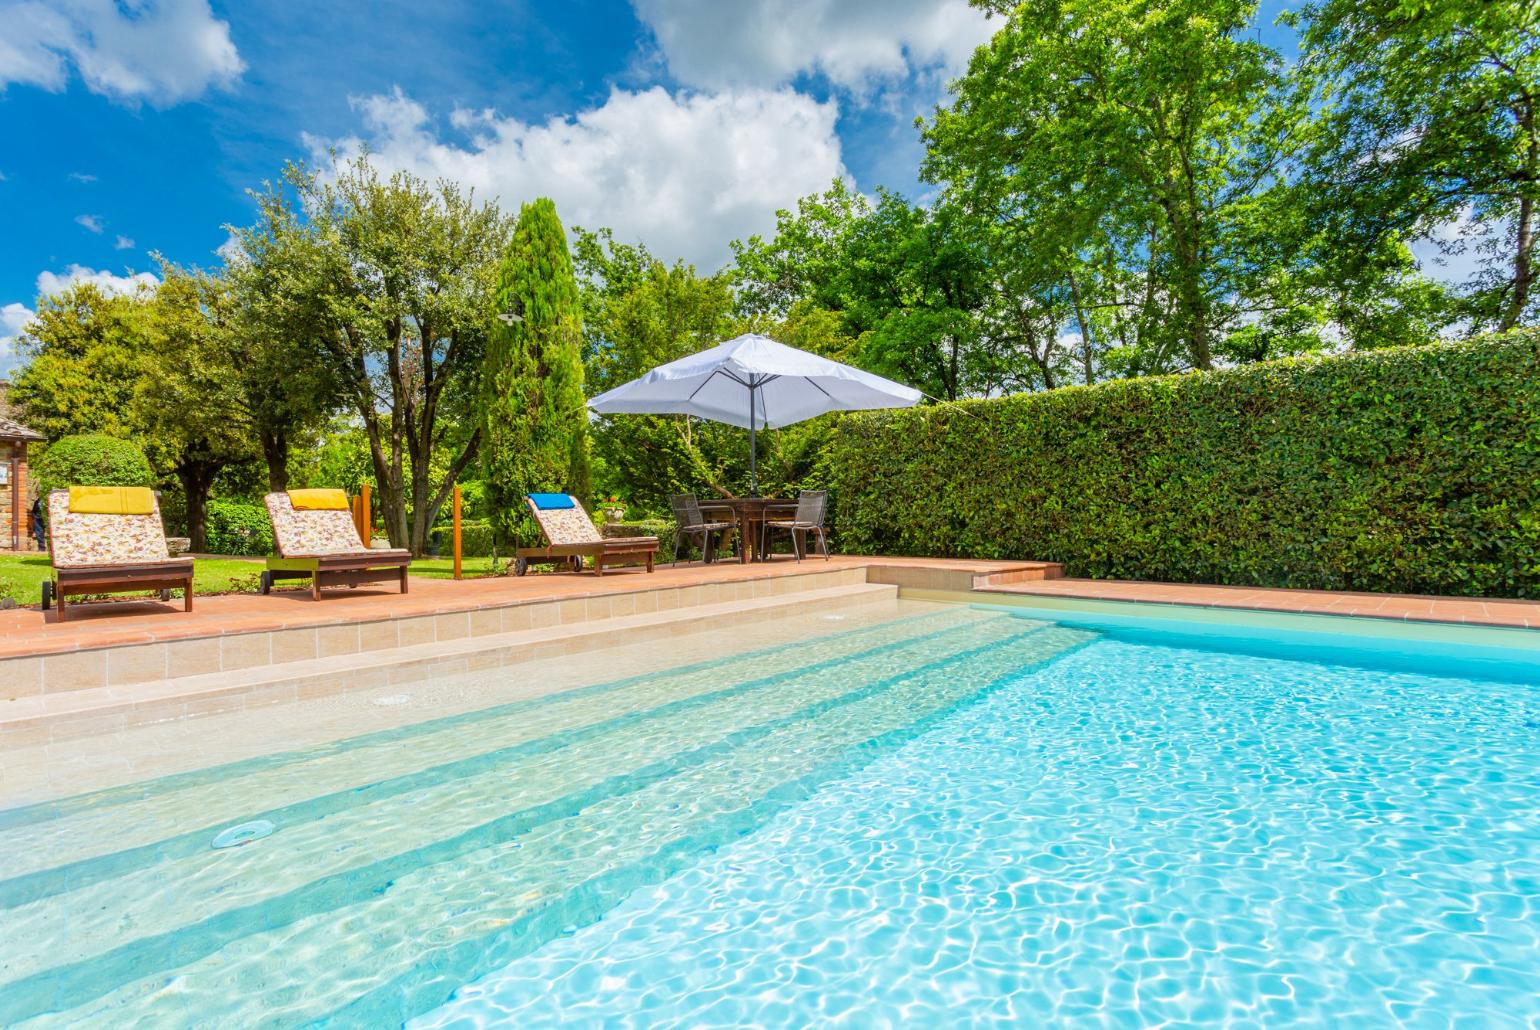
(750, 514)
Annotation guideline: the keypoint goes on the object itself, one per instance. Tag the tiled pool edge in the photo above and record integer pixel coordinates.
(119, 665)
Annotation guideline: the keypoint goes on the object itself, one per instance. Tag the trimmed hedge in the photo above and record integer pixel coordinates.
(475, 540)
(91, 460)
(231, 528)
(1411, 470)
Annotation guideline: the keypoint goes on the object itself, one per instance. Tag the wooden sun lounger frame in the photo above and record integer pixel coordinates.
(337, 570)
(615, 551)
(172, 574)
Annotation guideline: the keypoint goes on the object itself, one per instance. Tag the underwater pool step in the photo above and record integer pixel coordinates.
(82, 713)
(344, 834)
(71, 841)
(397, 937)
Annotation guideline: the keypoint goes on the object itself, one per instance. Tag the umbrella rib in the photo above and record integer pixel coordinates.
(714, 373)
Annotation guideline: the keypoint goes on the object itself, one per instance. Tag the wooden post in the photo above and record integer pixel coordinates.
(457, 530)
(365, 515)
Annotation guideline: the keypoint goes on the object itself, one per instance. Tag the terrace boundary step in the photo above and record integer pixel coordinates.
(71, 714)
(126, 664)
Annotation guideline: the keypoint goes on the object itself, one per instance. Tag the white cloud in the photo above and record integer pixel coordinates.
(81, 177)
(123, 243)
(685, 174)
(231, 250)
(109, 283)
(162, 51)
(90, 222)
(12, 318)
(855, 43)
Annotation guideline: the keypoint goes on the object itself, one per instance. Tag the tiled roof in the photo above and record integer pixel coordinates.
(10, 429)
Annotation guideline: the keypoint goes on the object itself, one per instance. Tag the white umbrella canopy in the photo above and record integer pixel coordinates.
(753, 382)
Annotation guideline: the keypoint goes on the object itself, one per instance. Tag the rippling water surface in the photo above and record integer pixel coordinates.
(1128, 836)
(925, 816)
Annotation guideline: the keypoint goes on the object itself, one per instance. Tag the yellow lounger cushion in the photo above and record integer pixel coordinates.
(111, 500)
(318, 500)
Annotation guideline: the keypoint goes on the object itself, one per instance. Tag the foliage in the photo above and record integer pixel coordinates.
(185, 397)
(84, 361)
(1415, 469)
(91, 460)
(1125, 144)
(394, 276)
(534, 422)
(1431, 129)
(638, 313)
(238, 529)
(270, 352)
(336, 457)
(476, 540)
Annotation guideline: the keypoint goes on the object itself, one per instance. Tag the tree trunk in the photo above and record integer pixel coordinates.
(197, 479)
(1523, 268)
(275, 449)
(1086, 343)
(1523, 255)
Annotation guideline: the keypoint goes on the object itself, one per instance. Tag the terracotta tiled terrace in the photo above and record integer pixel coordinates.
(1414, 607)
(28, 631)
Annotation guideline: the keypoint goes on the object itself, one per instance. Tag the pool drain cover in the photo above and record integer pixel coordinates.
(245, 833)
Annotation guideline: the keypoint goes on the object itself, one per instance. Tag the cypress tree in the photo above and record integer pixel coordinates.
(535, 425)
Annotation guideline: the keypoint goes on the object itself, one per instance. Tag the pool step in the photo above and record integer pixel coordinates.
(465, 877)
(72, 714)
(66, 832)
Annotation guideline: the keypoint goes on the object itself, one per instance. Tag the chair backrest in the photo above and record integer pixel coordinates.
(311, 532)
(810, 506)
(686, 510)
(565, 525)
(76, 538)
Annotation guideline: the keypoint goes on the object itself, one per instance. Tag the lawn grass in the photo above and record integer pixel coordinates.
(22, 575)
(444, 568)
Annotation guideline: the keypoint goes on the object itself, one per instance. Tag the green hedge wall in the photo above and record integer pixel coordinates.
(1413, 470)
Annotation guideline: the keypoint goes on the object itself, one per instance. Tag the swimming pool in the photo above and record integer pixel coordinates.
(938, 815)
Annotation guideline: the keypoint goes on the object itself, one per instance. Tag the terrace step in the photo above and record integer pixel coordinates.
(86, 712)
(304, 629)
(391, 895)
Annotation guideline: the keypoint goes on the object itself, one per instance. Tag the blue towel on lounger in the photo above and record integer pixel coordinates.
(551, 502)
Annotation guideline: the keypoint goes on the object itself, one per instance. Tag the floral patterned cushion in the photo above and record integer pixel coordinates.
(311, 533)
(567, 525)
(77, 540)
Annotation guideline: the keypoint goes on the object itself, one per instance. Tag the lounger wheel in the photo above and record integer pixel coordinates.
(266, 581)
(165, 595)
(577, 563)
(47, 594)
(520, 566)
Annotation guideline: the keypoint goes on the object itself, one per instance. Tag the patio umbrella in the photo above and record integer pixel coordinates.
(753, 382)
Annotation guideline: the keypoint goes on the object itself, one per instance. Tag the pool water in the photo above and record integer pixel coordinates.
(954, 816)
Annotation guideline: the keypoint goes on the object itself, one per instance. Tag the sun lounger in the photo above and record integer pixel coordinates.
(315, 538)
(110, 540)
(570, 536)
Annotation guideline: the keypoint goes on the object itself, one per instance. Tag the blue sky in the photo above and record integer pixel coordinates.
(137, 126)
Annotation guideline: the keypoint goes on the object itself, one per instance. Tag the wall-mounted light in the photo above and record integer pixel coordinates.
(515, 312)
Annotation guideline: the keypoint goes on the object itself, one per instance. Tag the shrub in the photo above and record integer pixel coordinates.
(475, 540)
(1416, 469)
(92, 460)
(232, 528)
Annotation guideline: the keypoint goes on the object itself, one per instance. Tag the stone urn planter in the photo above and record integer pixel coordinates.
(178, 545)
(614, 515)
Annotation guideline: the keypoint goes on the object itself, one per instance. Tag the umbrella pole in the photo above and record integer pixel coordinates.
(753, 456)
